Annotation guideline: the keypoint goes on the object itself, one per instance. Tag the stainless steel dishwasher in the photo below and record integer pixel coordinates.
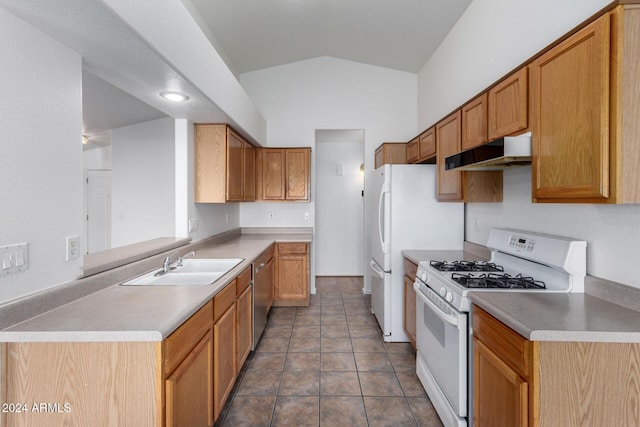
(263, 276)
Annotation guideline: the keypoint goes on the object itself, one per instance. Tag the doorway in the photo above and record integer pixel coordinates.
(339, 203)
(98, 190)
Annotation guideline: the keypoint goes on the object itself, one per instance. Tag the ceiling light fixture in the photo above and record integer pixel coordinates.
(174, 96)
(85, 139)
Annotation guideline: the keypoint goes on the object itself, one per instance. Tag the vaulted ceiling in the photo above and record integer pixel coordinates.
(397, 34)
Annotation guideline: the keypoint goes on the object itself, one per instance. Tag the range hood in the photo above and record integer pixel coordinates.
(503, 153)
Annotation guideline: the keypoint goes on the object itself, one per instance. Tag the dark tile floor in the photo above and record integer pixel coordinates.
(327, 365)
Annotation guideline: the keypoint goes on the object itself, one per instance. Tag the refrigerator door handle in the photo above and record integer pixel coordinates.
(381, 207)
(376, 269)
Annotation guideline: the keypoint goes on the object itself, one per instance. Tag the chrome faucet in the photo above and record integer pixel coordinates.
(192, 253)
(166, 265)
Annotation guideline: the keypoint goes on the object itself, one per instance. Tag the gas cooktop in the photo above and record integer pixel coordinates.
(496, 280)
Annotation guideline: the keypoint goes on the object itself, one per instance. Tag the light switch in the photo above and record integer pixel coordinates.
(6, 260)
(19, 258)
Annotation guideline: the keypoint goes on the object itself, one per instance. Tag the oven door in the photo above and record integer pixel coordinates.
(441, 340)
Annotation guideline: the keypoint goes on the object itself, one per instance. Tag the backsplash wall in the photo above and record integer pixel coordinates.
(612, 232)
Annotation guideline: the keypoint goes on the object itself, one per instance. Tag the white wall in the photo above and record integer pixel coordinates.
(41, 193)
(491, 38)
(340, 208)
(327, 93)
(143, 182)
(97, 158)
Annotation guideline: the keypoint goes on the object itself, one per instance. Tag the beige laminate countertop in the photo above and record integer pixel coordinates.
(140, 313)
(561, 317)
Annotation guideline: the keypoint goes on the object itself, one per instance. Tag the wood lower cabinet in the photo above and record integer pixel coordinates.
(409, 320)
(225, 368)
(244, 323)
(504, 381)
(391, 153)
(283, 174)
(292, 274)
(460, 186)
(224, 165)
(189, 389)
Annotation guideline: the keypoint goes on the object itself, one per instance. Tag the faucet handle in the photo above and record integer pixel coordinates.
(192, 253)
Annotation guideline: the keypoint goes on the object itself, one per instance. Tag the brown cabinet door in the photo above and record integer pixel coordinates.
(379, 157)
(570, 87)
(428, 143)
(474, 122)
(292, 281)
(413, 151)
(410, 310)
(508, 105)
(234, 166)
(248, 172)
(297, 163)
(189, 389)
(224, 359)
(448, 143)
(500, 394)
(273, 173)
(243, 326)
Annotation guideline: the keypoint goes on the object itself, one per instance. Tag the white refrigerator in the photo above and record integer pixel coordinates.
(407, 217)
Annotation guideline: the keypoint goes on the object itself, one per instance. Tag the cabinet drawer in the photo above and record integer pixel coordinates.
(292, 248)
(224, 300)
(243, 280)
(510, 346)
(178, 345)
(410, 269)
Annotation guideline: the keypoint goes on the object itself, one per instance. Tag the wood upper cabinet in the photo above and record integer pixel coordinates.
(248, 172)
(413, 151)
(283, 174)
(449, 142)
(474, 122)
(391, 153)
(409, 321)
(427, 144)
(235, 166)
(292, 274)
(586, 131)
(571, 88)
(224, 165)
(508, 105)
(298, 173)
(459, 186)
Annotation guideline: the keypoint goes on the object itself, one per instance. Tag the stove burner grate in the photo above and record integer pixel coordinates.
(493, 280)
(465, 266)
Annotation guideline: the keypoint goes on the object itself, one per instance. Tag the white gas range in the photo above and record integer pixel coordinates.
(520, 262)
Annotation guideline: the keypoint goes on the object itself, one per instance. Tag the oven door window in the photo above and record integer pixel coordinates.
(442, 345)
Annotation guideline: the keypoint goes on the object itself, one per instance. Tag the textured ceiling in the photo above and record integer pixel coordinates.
(256, 34)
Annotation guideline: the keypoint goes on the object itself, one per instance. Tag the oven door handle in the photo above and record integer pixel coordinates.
(450, 319)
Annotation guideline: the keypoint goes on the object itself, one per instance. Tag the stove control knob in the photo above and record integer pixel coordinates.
(423, 276)
(449, 297)
(443, 292)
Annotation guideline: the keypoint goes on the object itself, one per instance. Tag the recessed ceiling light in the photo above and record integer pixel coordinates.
(174, 96)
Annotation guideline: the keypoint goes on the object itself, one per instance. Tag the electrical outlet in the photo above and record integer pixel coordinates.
(226, 218)
(73, 247)
(270, 215)
(307, 215)
(193, 224)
